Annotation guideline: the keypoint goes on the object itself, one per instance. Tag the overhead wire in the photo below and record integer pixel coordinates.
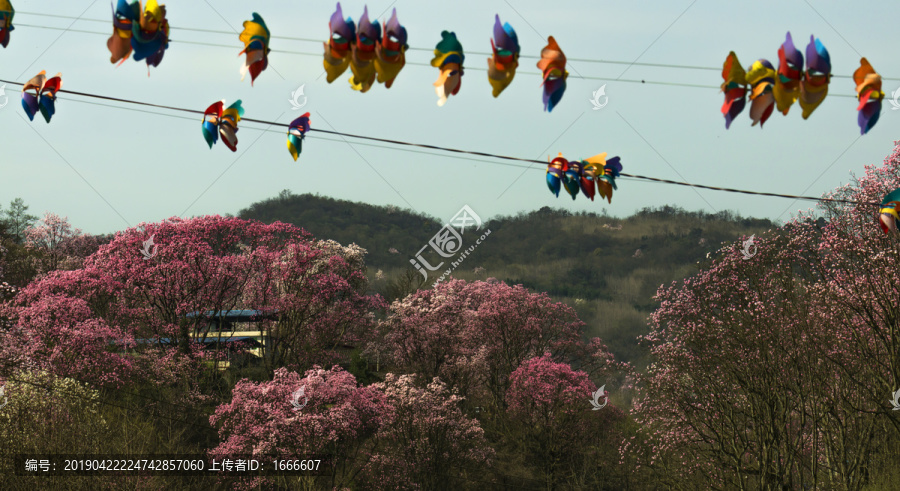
(447, 149)
(469, 68)
(571, 76)
(429, 50)
(317, 138)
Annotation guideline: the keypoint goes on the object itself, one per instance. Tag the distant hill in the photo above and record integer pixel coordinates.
(587, 260)
(375, 228)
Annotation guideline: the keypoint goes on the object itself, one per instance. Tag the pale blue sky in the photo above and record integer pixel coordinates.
(110, 168)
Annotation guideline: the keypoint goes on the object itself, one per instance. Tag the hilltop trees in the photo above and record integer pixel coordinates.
(57, 245)
(18, 219)
(16, 265)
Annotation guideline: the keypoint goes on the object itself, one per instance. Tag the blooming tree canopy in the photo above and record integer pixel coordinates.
(134, 292)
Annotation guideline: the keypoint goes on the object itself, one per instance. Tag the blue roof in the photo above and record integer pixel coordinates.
(229, 314)
(208, 340)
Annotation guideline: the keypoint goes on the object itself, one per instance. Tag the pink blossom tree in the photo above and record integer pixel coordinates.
(57, 242)
(427, 443)
(59, 334)
(433, 333)
(337, 420)
(776, 370)
(555, 425)
(390, 435)
(318, 290)
(314, 292)
(722, 399)
(474, 335)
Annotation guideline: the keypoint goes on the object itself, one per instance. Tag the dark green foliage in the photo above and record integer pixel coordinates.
(402, 285)
(16, 219)
(374, 228)
(361, 369)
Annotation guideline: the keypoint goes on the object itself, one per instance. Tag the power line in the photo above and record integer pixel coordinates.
(429, 50)
(470, 68)
(428, 65)
(455, 150)
(317, 138)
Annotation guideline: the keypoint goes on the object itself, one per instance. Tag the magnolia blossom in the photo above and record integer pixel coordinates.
(312, 296)
(764, 366)
(474, 335)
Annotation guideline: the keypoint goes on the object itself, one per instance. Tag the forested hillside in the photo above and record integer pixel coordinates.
(607, 268)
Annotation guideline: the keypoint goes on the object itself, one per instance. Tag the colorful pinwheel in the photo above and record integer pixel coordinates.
(553, 66)
(581, 176)
(790, 72)
(255, 37)
(761, 78)
(146, 31)
(390, 53)
(606, 171)
(890, 206)
(337, 49)
(297, 131)
(6, 17)
(555, 170)
(449, 57)
(43, 97)
(362, 53)
(734, 87)
(572, 178)
(502, 65)
(814, 85)
(868, 91)
(217, 121)
(589, 175)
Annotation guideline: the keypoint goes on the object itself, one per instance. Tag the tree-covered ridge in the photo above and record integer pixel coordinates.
(607, 268)
(374, 228)
(555, 251)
